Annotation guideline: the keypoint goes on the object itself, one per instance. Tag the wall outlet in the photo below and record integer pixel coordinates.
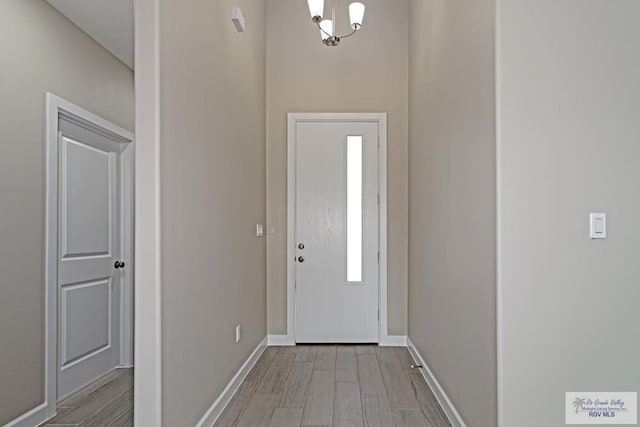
(238, 333)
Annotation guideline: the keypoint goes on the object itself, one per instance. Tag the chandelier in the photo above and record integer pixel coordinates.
(327, 26)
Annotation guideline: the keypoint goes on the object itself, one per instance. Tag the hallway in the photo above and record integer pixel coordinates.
(191, 188)
(329, 385)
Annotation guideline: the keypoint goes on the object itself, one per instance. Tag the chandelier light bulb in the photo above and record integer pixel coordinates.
(326, 28)
(316, 9)
(356, 14)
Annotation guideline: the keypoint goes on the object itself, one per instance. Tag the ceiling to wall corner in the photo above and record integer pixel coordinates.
(109, 22)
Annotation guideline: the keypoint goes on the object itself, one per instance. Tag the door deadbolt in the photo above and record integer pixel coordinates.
(118, 264)
(300, 259)
(300, 246)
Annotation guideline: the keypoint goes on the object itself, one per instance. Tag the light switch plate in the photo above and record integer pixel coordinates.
(259, 230)
(238, 333)
(598, 225)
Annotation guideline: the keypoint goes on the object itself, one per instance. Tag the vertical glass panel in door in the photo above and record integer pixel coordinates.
(354, 209)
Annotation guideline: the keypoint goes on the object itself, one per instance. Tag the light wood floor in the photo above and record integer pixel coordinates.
(106, 402)
(334, 386)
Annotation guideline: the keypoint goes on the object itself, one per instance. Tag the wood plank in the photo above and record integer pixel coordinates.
(288, 349)
(306, 353)
(59, 425)
(59, 412)
(125, 420)
(325, 358)
(259, 410)
(286, 417)
(399, 390)
(377, 411)
(247, 389)
(295, 389)
(365, 349)
(428, 403)
(347, 405)
(318, 407)
(262, 365)
(99, 383)
(386, 354)
(346, 365)
(111, 411)
(404, 357)
(404, 418)
(369, 375)
(234, 409)
(89, 403)
(276, 376)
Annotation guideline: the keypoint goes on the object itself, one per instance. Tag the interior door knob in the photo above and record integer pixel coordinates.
(300, 246)
(118, 264)
(300, 259)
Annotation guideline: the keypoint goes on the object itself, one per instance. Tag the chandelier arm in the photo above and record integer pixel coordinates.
(328, 35)
(349, 35)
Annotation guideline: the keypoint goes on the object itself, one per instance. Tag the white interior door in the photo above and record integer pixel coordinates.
(336, 230)
(89, 233)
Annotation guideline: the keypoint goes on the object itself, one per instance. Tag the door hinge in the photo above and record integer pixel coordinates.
(378, 256)
(378, 315)
(378, 199)
(378, 141)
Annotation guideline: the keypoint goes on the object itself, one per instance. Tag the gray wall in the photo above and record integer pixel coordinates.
(452, 240)
(367, 73)
(212, 177)
(40, 51)
(569, 108)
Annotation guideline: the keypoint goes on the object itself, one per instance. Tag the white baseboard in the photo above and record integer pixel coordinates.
(393, 341)
(215, 410)
(385, 341)
(34, 417)
(281, 340)
(450, 410)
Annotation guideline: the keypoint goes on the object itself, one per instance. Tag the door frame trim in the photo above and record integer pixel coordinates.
(55, 108)
(292, 120)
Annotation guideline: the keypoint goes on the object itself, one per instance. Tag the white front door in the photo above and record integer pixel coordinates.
(336, 230)
(89, 233)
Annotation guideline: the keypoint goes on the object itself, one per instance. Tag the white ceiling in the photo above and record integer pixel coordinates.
(109, 22)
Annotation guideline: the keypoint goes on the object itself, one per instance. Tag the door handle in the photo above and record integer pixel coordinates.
(300, 259)
(301, 246)
(118, 264)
